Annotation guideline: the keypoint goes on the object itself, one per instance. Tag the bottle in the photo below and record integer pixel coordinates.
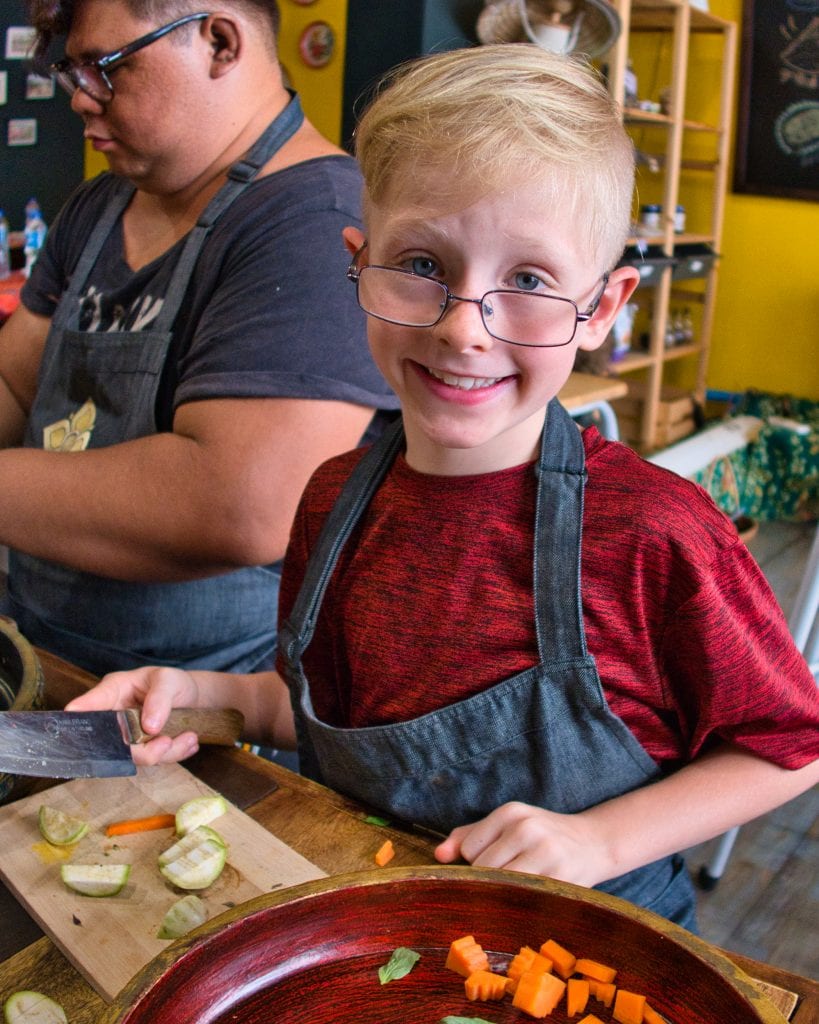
(34, 234)
(5, 254)
(630, 85)
(651, 218)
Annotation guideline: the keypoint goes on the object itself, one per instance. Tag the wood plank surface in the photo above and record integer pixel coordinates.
(584, 388)
(110, 939)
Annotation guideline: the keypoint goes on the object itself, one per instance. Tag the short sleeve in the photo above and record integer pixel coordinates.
(736, 673)
(272, 313)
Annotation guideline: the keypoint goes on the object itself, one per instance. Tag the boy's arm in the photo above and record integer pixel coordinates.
(723, 788)
(263, 699)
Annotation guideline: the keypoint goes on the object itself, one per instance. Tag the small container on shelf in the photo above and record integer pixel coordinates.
(693, 260)
(651, 219)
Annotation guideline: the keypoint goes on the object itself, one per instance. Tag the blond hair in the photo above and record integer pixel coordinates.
(494, 115)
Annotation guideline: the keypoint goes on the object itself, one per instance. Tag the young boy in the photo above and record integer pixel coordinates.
(450, 657)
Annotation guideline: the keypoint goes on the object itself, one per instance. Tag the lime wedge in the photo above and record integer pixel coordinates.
(32, 1008)
(95, 879)
(59, 828)
(185, 914)
(202, 810)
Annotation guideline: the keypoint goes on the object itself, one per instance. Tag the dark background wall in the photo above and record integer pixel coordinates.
(50, 169)
(383, 34)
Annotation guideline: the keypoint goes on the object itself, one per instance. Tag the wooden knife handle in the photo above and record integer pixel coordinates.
(220, 726)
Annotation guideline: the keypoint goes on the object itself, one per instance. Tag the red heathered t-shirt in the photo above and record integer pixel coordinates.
(431, 602)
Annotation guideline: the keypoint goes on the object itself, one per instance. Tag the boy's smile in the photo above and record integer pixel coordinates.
(472, 403)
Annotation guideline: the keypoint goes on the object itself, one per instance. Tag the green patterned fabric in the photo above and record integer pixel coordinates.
(777, 476)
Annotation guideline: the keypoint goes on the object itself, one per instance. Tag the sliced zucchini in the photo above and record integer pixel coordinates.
(95, 879)
(33, 1008)
(196, 861)
(182, 917)
(59, 828)
(190, 842)
(202, 810)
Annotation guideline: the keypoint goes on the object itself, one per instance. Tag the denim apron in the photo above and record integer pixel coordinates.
(225, 622)
(545, 736)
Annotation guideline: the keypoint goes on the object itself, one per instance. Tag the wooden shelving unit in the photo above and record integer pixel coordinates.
(688, 55)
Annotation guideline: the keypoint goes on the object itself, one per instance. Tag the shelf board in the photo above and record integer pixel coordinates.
(659, 15)
(647, 118)
(686, 238)
(632, 361)
(680, 352)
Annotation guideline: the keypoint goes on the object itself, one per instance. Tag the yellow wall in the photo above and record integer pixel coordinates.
(766, 331)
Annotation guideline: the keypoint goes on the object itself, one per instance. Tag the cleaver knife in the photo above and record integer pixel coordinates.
(92, 744)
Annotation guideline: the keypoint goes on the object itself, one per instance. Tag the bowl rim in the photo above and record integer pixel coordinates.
(153, 972)
(30, 693)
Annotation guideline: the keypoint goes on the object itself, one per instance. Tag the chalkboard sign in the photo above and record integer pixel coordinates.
(778, 128)
(41, 143)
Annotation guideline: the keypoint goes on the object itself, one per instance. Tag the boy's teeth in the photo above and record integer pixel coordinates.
(467, 383)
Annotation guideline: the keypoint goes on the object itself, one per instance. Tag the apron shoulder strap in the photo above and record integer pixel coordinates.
(355, 496)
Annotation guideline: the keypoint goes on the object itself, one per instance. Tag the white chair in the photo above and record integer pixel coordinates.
(802, 624)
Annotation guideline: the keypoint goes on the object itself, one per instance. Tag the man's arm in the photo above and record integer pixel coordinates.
(217, 493)
(21, 349)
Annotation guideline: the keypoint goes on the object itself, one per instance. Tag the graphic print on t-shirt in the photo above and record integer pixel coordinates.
(100, 311)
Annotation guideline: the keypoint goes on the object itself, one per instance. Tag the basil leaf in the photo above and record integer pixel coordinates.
(464, 1020)
(399, 964)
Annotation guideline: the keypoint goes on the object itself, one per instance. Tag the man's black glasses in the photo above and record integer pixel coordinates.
(92, 75)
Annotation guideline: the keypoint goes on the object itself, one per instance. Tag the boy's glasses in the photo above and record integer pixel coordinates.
(92, 75)
(518, 318)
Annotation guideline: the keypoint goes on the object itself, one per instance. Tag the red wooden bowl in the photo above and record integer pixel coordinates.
(310, 954)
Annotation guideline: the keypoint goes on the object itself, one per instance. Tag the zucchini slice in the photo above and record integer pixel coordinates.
(95, 879)
(28, 1007)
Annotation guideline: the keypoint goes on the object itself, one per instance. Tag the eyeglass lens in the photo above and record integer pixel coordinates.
(520, 318)
(87, 77)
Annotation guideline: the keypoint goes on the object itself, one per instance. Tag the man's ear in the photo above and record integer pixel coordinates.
(353, 239)
(621, 284)
(225, 39)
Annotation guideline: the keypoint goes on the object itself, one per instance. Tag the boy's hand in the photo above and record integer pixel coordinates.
(156, 690)
(521, 837)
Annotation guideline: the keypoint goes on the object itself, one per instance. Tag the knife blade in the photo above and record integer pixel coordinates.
(96, 744)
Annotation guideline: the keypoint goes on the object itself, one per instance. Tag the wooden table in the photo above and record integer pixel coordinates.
(586, 392)
(322, 825)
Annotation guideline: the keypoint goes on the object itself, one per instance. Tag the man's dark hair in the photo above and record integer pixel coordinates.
(52, 18)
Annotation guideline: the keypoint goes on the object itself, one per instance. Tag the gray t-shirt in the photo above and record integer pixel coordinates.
(268, 312)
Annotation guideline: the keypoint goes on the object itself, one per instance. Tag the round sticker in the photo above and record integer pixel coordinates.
(316, 44)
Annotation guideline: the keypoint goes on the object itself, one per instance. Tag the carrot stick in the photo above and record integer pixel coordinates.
(385, 853)
(155, 821)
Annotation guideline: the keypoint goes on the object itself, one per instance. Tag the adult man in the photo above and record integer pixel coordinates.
(180, 364)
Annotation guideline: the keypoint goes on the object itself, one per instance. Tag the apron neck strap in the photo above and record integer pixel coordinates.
(557, 537)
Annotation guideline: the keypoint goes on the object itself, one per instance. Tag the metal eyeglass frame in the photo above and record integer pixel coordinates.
(69, 73)
(354, 274)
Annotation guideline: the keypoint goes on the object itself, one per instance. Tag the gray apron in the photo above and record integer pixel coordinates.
(225, 622)
(545, 736)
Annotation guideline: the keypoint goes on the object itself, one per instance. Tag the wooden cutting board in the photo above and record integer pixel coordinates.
(109, 939)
